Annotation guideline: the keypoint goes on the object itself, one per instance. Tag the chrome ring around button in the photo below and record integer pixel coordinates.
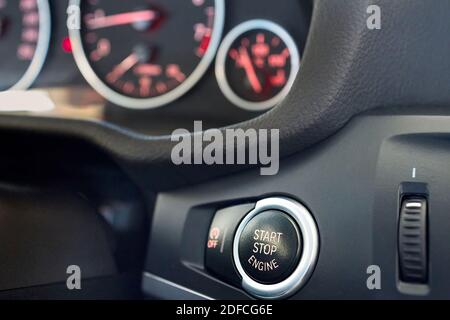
(310, 236)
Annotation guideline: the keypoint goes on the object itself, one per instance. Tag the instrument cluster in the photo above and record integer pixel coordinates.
(152, 65)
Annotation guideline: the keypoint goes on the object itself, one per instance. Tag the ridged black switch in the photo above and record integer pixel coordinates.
(412, 240)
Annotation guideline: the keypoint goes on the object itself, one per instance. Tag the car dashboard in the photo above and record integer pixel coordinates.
(178, 78)
(224, 149)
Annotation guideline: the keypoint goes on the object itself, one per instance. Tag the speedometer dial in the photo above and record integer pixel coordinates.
(24, 41)
(257, 64)
(146, 53)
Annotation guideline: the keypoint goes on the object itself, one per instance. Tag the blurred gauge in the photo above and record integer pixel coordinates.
(24, 41)
(257, 64)
(144, 54)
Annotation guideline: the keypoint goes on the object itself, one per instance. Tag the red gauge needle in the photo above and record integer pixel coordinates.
(246, 63)
(128, 63)
(121, 19)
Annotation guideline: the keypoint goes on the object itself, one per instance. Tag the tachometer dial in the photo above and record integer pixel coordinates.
(257, 64)
(143, 54)
(24, 41)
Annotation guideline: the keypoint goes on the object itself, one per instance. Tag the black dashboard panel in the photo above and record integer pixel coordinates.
(355, 202)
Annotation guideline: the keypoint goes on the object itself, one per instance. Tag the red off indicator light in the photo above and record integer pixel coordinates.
(66, 45)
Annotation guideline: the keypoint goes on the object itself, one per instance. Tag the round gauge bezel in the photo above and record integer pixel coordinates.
(153, 102)
(42, 47)
(224, 48)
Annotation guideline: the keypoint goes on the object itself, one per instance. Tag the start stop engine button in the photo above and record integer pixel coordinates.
(270, 247)
(275, 248)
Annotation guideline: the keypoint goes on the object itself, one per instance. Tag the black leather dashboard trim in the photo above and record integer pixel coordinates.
(346, 69)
